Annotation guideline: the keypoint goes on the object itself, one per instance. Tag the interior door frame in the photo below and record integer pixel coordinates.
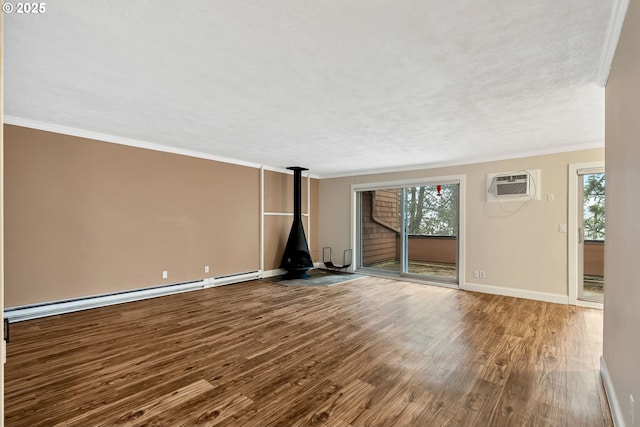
(574, 199)
(414, 182)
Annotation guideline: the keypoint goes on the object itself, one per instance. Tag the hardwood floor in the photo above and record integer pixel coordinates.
(371, 352)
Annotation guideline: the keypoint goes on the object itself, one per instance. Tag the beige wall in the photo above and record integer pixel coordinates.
(622, 285)
(523, 250)
(86, 217)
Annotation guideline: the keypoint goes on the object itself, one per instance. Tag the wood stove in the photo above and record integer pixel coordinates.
(296, 258)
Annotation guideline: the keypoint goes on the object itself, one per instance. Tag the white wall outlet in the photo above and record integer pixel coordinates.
(206, 268)
(476, 274)
(482, 275)
(632, 409)
(562, 228)
(165, 274)
(551, 197)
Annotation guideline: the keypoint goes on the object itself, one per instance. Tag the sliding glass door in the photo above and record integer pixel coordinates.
(591, 235)
(431, 231)
(411, 231)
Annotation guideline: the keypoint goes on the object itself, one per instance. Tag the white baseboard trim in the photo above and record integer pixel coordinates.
(51, 308)
(614, 404)
(517, 293)
(589, 304)
(234, 278)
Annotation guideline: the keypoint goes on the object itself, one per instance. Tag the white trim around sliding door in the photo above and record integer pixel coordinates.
(573, 200)
(380, 185)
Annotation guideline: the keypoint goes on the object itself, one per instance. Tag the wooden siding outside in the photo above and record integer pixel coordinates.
(594, 258)
(433, 249)
(385, 208)
(379, 236)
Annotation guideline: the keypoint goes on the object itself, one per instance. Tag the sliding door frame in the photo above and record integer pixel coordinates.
(574, 200)
(413, 182)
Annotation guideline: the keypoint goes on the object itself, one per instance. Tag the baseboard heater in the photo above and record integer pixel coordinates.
(28, 312)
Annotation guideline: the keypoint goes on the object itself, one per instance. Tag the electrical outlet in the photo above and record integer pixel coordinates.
(632, 409)
(165, 274)
(482, 275)
(551, 197)
(206, 268)
(476, 274)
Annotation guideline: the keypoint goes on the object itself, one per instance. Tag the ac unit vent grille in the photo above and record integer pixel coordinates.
(514, 186)
(511, 188)
(511, 178)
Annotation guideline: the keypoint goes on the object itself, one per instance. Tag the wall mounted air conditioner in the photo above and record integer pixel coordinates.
(513, 186)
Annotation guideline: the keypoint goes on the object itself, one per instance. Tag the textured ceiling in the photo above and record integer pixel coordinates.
(340, 87)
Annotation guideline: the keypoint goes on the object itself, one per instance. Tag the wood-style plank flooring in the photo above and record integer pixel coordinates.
(371, 352)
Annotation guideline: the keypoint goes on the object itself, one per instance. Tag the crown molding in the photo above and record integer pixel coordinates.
(611, 40)
(113, 139)
(81, 133)
(587, 145)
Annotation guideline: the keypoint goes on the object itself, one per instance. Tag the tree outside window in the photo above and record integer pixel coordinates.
(593, 206)
(431, 214)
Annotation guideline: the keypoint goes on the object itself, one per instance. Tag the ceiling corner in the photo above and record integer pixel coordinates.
(611, 40)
